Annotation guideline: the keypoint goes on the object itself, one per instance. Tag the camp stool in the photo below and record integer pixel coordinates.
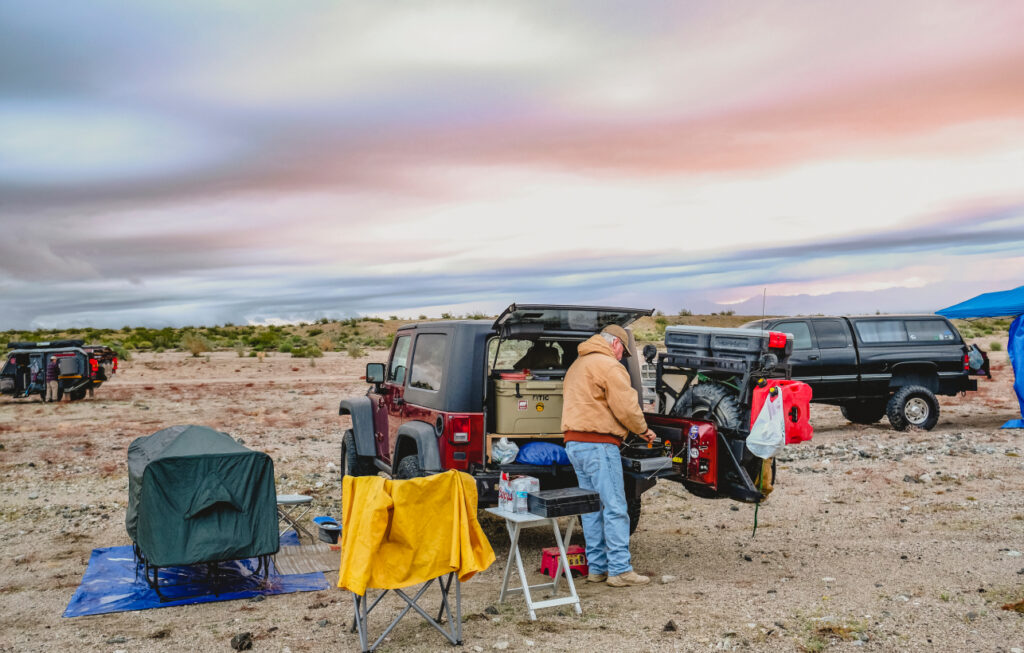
(452, 628)
(290, 509)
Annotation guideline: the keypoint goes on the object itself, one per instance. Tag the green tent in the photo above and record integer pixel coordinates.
(195, 495)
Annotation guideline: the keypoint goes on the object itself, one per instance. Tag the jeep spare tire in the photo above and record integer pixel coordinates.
(913, 405)
(713, 402)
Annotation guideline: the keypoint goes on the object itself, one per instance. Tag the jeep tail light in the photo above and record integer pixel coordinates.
(776, 340)
(459, 428)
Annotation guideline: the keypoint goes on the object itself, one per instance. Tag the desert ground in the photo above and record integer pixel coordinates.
(873, 540)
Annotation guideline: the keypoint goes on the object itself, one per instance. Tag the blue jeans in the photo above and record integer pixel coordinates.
(599, 469)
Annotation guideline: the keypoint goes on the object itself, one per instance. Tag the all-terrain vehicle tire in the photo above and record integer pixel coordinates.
(352, 464)
(864, 412)
(77, 395)
(633, 507)
(713, 402)
(913, 405)
(409, 467)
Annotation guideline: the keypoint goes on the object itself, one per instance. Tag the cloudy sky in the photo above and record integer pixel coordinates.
(173, 163)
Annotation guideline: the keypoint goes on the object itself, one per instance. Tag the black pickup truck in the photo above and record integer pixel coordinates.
(879, 365)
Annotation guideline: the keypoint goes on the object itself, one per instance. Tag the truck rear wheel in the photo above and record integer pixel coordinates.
(353, 464)
(913, 405)
(713, 402)
(863, 412)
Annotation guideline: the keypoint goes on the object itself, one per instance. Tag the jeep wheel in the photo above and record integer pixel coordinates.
(353, 464)
(409, 467)
(864, 412)
(633, 507)
(913, 405)
(712, 402)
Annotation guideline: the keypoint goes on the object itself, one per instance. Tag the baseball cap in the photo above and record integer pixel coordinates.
(619, 333)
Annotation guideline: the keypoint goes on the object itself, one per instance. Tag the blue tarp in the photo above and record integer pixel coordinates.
(1005, 303)
(1001, 304)
(113, 583)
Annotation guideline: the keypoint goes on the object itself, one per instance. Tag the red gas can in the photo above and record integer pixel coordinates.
(796, 402)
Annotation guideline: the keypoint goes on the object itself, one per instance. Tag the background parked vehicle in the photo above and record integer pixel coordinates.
(879, 365)
(80, 367)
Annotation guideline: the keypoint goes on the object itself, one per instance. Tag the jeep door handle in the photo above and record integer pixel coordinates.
(812, 357)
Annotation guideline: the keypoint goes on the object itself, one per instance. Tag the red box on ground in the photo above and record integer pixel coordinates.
(575, 554)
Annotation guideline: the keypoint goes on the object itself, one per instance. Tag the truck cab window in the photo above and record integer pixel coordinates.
(831, 334)
(801, 333)
(400, 360)
(428, 361)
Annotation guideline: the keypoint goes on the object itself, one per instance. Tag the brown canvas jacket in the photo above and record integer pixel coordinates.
(598, 396)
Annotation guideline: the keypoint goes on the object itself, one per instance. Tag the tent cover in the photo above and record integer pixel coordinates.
(195, 495)
(1001, 304)
(1005, 303)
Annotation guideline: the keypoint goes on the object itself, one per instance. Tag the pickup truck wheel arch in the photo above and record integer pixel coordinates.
(419, 439)
(913, 405)
(925, 375)
(361, 411)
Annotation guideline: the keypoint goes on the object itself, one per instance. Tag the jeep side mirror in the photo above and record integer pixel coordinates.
(375, 373)
(650, 351)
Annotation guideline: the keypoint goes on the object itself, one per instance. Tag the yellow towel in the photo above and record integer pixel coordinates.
(399, 533)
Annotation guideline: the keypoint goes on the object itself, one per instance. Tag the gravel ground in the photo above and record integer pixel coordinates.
(873, 540)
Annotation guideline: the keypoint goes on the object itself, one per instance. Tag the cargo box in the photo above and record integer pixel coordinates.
(528, 406)
(567, 501)
(745, 345)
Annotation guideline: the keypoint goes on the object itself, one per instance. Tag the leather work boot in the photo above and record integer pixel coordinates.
(627, 579)
(597, 578)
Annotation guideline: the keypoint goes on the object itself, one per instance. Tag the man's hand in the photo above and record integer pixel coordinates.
(648, 435)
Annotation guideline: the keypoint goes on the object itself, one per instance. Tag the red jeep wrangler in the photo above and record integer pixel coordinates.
(450, 390)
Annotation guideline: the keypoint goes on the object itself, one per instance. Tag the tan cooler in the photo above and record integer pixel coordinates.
(536, 409)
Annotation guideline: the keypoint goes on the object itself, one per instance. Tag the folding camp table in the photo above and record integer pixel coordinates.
(290, 509)
(515, 523)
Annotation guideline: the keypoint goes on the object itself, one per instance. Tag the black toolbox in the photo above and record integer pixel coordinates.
(566, 501)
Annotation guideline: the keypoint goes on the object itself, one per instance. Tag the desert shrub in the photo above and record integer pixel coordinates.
(324, 342)
(354, 350)
(392, 317)
(661, 321)
(239, 349)
(684, 312)
(195, 343)
(308, 351)
(287, 347)
(422, 317)
(119, 350)
(995, 346)
(447, 316)
(314, 332)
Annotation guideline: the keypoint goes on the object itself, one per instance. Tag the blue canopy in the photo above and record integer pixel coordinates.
(1005, 303)
(1000, 304)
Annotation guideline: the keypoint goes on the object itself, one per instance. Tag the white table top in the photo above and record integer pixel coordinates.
(294, 498)
(520, 517)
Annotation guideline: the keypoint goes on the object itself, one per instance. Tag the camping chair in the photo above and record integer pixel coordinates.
(397, 536)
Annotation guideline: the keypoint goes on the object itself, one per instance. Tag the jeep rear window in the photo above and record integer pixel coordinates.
(518, 354)
(872, 331)
(428, 361)
(929, 331)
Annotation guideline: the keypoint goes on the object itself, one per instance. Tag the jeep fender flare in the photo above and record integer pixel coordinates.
(421, 437)
(361, 411)
(923, 373)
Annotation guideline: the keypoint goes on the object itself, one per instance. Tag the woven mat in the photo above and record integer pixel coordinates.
(307, 558)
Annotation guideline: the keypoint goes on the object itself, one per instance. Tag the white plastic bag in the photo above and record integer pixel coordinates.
(768, 434)
(504, 451)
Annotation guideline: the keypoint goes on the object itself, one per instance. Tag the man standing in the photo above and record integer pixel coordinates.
(52, 372)
(600, 408)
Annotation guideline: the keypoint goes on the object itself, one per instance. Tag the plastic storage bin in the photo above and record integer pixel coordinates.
(528, 406)
(566, 501)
